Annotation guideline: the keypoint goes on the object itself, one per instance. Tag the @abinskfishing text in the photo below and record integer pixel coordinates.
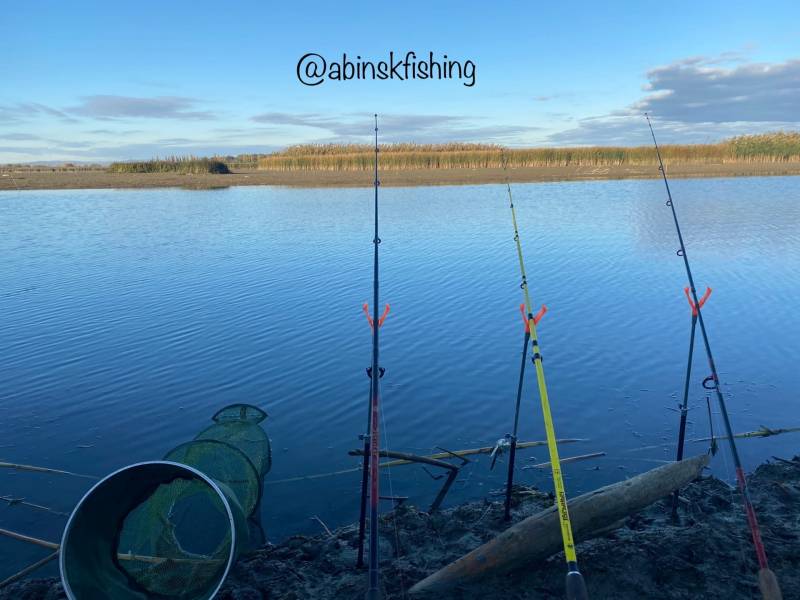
(314, 69)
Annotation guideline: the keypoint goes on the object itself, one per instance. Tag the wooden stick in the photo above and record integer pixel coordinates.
(325, 527)
(406, 459)
(130, 556)
(28, 570)
(438, 456)
(12, 501)
(564, 461)
(762, 432)
(31, 540)
(484, 450)
(35, 469)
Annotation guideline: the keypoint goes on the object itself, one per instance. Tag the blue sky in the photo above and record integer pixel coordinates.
(102, 81)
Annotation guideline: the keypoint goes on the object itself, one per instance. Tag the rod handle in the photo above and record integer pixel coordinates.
(576, 587)
(373, 594)
(768, 584)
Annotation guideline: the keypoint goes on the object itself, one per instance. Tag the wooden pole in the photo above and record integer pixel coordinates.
(28, 570)
(539, 536)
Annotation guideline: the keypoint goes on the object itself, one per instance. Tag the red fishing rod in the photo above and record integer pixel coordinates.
(767, 582)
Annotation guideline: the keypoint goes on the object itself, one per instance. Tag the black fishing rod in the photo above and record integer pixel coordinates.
(372, 437)
(512, 451)
(767, 582)
(685, 404)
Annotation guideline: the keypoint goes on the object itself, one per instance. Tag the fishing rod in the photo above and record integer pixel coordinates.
(685, 405)
(575, 585)
(372, 437)
(512, 451)
(767, 582)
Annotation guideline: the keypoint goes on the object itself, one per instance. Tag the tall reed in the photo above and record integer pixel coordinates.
(766, 148)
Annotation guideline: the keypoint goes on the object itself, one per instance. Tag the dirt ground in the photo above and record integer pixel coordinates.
(21, 179)
(708, 554)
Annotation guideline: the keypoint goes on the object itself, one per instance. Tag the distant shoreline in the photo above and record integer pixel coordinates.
(100, 179)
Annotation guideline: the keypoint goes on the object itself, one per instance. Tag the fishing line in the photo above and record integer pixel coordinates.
(391, 493)
(575, 585)
(730, 489)
(768, 583)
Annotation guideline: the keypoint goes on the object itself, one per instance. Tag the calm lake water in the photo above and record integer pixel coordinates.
(129, 317)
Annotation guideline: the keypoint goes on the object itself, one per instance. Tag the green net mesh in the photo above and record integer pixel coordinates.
(224, 463)
(170, 529)
(162, 550)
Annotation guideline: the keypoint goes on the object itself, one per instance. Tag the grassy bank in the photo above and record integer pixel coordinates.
(766, 148)
(175, 164)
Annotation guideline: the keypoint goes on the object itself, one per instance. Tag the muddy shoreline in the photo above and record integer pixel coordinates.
(708, 554)
(22, 179)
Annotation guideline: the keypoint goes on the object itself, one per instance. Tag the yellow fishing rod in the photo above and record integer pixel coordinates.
(575, 586)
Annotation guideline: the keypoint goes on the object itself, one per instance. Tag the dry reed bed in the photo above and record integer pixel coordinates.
(766, 148)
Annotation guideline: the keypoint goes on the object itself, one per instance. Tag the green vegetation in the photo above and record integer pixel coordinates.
(766, 148)
(173, 164)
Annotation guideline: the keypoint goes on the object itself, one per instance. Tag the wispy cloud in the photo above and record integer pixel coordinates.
(106, 107)
(84, 151)
(399, 127)
(19, 137)
(24, 111)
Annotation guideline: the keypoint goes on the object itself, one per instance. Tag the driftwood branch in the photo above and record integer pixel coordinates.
(539, 536)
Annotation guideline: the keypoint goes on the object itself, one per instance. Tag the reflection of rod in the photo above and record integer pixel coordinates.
(8, 465)
(151, 559)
